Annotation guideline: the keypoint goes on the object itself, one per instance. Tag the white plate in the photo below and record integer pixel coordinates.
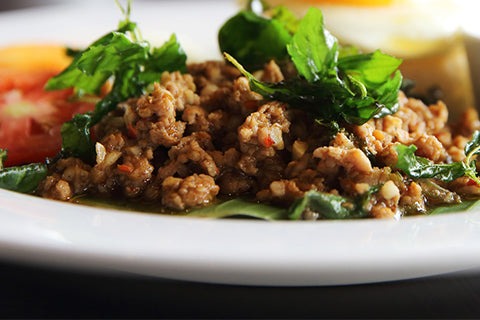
(221, 251)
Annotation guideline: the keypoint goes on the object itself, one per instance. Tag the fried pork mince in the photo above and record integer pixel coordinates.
(204, 135)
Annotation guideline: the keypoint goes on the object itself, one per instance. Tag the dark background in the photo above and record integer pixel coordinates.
(30, 291)
(40, 292)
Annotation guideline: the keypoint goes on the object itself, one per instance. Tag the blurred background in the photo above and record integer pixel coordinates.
(22, 4)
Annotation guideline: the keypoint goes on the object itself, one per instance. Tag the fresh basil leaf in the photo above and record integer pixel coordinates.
(464, 206)
(374, 71)
(472, 147)
(422, 168)
(348, 50)
(227, 209)
(81, 73)
(253, 39)
(329, 101)
(131, 65)
(419, 167)
(239, 207)
(169, 57)
(23, 178)
(313, 50)
(76, 137)
(352, 89)
(326, 206)
(91, 69)
(286, 17)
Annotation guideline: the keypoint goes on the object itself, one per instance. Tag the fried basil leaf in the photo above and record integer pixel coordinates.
(351, 89)
(21, 178)
(130, 65)
(421, 168)
(320, 205)
(239, 207)
(253, 39)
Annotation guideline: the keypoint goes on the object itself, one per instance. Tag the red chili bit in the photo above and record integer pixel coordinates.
(268, 142)
(132, 131)
(124, 168)
(471, 182)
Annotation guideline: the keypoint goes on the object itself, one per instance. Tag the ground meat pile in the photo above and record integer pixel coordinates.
(204, 136)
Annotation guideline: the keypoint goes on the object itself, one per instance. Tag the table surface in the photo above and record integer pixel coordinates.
(32, 291)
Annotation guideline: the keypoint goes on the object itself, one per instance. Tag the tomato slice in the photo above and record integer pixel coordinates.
(30, 117)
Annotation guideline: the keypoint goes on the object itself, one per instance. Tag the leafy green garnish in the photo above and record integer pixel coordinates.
(464, 206)
(286, 17)
(258, 34)
(22, 178)
(254, 39)
(226, 209)
(377, 80)
(328, 206)
(351, 88)
(313, 49)
(472, 147)
(421, 168)
(239, 207)
(131, 64)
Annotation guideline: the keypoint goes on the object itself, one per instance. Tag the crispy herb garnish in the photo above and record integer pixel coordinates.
(21, 178)
(254, 39)
(240, 207)
(351, 88)
(322, 205)
(421, 168)
(131, 64)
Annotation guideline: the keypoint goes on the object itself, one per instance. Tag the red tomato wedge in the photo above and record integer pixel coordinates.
(30, 117)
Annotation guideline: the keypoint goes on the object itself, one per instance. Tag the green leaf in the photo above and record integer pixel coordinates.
(131, 65)
(91, 69)
(352, 89)
(76, 75)
(254, 40)
(419, 167)
(329, 101)
(239, 207)
(464, 206)
(169, 57)
(286, 17)
(228, 209)
(472, 147)
(326, 206)
(23, 178)
(313, 50)
(422, 168)
(374, 71)
(76, 137)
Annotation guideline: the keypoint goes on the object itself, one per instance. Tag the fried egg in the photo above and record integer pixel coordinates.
(406, 28)
(426, 34)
